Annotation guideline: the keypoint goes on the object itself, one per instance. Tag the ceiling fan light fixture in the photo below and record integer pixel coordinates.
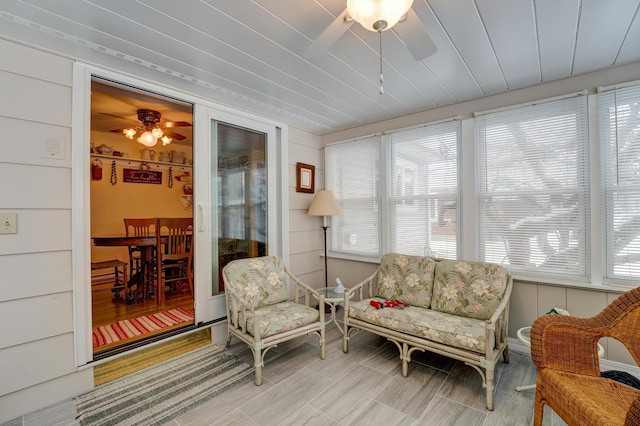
(157, 132)
(147, 139)
(378, 15)
(129, 133)
(166, 140)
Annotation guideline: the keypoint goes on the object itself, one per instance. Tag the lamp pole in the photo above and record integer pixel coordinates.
(326, 270)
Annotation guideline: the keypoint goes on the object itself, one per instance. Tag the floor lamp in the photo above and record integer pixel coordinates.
(324, 204)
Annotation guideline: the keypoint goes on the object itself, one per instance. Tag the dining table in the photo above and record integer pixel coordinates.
(146, 244)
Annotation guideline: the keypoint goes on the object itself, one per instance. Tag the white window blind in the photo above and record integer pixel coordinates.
(353, 174)
(423, 190)
(532, 188)
(620, 141)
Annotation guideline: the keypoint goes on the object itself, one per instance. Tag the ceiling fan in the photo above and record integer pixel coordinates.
(150, 128)
(378, 16)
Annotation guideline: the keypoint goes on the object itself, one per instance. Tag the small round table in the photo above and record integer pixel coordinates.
(333, 299)
(524, 335)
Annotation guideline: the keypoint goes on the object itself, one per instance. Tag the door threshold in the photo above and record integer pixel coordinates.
(144, 341)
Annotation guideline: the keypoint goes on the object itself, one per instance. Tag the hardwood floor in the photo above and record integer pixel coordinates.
(108, 309)
(362, 387)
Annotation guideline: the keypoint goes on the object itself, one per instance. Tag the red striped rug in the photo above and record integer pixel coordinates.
(125, 329)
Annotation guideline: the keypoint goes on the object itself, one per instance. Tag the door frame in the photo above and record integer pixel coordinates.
(205, 304)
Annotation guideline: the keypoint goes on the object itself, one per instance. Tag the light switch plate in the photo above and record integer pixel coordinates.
(8, 223)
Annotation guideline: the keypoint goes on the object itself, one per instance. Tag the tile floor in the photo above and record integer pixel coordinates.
(362, 387)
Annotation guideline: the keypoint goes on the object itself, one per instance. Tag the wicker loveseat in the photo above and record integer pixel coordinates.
(259, 311)
(565, 350)
(454, 308)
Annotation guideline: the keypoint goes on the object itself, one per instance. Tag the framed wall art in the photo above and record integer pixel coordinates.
(305, 178)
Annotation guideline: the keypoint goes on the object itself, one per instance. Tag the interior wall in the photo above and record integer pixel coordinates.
(305, 232)
(36, 303)
(111, 203)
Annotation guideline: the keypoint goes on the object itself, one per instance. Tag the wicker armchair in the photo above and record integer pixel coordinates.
(259, 311)
(564, 348)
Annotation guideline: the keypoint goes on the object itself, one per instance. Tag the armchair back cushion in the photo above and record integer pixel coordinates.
(468, 289)
(260, 282)
(406, 278)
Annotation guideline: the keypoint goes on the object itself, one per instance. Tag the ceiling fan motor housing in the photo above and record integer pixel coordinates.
(149, 117)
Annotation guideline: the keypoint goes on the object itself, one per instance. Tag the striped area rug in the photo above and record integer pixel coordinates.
(160, 393)
(125, 329)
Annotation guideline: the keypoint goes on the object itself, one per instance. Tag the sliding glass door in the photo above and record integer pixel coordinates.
(240, 196)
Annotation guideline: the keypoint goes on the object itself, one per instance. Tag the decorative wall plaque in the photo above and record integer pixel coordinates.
(142, 176)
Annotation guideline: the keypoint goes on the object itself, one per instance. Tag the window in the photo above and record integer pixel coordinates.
(423, 190)
(354, 176)
(539, 209)
(397, 193)
(533, 187)
(620, 142)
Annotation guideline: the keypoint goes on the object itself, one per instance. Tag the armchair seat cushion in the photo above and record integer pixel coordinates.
(587, 399)
(282, 317)
(452, 330)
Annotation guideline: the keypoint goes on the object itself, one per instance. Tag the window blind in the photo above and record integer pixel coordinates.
(423, 190)
(533, 187)
(620, 141)
(353, 174)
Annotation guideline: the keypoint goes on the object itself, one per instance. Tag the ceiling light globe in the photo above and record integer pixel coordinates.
(129, 133)
(368, 12)
(165, 140)
(158, 133)
(147, 139)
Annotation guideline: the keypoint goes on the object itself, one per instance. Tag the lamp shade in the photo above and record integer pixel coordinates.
(368, 12)
(324, 204)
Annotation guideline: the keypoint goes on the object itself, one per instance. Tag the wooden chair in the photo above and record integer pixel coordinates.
(259, 312)
(110, 272)
(174, 253)
(138, 227)
(565, 350)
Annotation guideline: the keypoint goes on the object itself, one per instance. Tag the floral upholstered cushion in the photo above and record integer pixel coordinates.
(285, 316)
(468, 289)
(451, 330)
(260, 281)
(407, 278)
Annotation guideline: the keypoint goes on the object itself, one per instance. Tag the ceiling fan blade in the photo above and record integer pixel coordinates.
(169, 124)
(174, 135)
(329, 36)
(415, 36)
(119, 117)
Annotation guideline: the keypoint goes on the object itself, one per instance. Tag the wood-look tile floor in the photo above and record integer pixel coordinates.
(362, 387)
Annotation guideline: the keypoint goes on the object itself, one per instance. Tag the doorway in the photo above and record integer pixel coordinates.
(141, 155)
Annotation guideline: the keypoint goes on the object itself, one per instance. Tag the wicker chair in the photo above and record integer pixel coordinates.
(564, 348)
(259, 311)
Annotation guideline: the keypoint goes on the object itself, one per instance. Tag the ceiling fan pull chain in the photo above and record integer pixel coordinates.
(381, 90)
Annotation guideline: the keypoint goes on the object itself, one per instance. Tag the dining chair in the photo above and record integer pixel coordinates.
(174, 253)
(138, 227)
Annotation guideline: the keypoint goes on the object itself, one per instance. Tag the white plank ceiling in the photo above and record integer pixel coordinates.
(249, 54)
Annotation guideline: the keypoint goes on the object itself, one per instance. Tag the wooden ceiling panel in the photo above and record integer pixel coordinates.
(249, 54)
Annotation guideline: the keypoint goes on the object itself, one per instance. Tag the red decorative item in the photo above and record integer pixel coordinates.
(96, 170)
(388, 304)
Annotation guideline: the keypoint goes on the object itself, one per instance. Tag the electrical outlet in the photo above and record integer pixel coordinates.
(8, 223)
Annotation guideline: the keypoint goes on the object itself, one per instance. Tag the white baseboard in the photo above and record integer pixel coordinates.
(516, 345)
